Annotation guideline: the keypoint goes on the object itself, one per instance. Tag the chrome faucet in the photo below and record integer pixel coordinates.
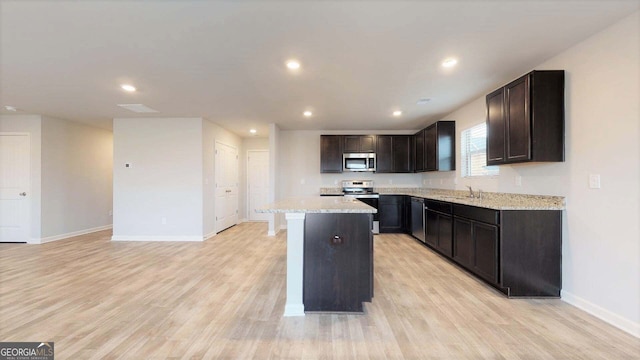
(470, 192)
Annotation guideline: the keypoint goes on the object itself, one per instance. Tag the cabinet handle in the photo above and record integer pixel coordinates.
(336, 240)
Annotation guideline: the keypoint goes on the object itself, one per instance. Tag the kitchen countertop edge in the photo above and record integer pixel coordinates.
(494, 201)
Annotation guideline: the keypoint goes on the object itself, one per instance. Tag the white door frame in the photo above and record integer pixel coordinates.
(248, 205)
(28, 186)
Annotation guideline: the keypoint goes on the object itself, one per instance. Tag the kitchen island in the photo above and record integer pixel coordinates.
(329, 253)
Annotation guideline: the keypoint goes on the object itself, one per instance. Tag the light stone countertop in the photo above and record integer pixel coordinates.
(490, 200)
(318, 204)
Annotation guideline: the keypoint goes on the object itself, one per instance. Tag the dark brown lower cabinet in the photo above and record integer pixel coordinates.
(517, 251)
(393, 214)
(485, 237)
(338, 262)
(439, 222)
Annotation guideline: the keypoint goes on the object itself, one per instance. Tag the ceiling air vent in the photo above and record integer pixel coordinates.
(138, 108)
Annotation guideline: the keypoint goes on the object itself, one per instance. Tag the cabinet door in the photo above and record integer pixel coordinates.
(401, 150)
(331, 154)
(419, 153)
(463, 242)
(391, 209)
(384, 155)
(445, 236)
(431, 148)
(485, 264)
(368, 143)
(495, 128)
(446, 146)
(351, 143)
(431, 232)
(337, 272)
(518, 122)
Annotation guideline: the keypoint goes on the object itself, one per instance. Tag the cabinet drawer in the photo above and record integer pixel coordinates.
(479, 214)
(439, 206)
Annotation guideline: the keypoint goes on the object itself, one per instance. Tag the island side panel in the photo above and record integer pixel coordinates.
(338, 262)
(295, 256)
(531, 252)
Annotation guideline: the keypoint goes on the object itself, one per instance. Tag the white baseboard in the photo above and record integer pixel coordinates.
(271, 233)
(155, 238)
(69, 235)
(616, 320)
(209, 235)
(294, 310)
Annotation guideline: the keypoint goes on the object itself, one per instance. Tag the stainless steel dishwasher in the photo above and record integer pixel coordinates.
(417, 218)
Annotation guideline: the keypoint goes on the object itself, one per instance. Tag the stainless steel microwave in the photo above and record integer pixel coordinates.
(359, 162)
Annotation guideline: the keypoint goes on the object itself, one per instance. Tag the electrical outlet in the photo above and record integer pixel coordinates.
(110, 212)
(390, 181)
(455, 180)
(424, 182)
(518, 180)
(164, 221)
(302, 181)
(594, 181)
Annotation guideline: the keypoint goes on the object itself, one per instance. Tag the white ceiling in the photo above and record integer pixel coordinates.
(224, 60)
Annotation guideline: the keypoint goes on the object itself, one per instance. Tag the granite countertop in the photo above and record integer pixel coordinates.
(490, 200)
(317, 204)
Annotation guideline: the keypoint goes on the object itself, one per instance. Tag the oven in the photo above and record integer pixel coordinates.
(363, 191)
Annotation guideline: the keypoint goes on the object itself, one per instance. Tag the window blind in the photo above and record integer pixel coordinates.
(474, 152)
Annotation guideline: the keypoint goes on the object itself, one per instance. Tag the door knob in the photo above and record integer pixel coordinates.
(23, 194)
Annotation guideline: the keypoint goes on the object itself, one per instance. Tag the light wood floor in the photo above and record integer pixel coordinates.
(224, 298)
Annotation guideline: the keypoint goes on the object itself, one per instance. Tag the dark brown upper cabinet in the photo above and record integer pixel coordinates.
(394, 154)
(525, 119)
(359, 143)
(435, 147)
(418, 140)
(331, 153)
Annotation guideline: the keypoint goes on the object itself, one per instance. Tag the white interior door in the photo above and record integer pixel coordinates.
(257, 183)
(14, 187)
(226, 168)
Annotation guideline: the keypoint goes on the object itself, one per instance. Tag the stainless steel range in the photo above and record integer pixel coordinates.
(363, 191)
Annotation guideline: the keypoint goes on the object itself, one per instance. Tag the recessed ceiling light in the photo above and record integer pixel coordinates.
(423, 101)
(10, 108)
(293, 64)
(127, 87)
(253, 131)
(307, 113)
(397, 113)
(450, 62)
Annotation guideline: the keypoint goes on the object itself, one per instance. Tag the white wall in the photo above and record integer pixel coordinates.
(275, 176)
(253, 143)
(210, 134)
(31, 124)
(77, 163)
(165, 180)
(601, 243)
